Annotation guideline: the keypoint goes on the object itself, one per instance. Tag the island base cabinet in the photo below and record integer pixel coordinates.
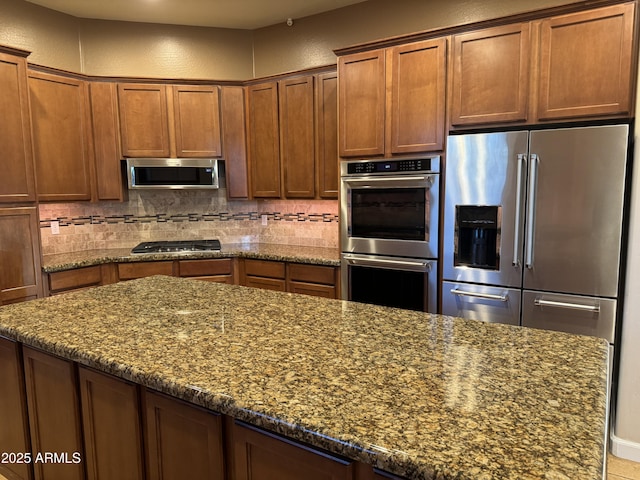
(261, 455)
(112, 430)
(54, 416)
(14, 433)
(183, 441)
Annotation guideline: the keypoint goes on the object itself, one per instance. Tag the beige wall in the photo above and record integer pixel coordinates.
(100, 47)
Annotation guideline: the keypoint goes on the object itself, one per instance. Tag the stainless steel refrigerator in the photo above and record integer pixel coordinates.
(533, 227)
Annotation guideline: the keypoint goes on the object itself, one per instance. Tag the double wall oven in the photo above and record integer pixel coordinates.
(389, 232)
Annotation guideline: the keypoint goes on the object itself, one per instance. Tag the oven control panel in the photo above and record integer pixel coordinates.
(391, 166)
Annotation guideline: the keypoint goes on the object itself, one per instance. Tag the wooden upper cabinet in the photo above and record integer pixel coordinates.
(61, 137)
(197, 121)
(490, 75)
(264, 140)
(586, 61)
(20, 275)
(143, 120)
(327, 161)
(297, 149)
(418, 83)
(106, 141)
(17, 182)
(234, 139)
(362, 104)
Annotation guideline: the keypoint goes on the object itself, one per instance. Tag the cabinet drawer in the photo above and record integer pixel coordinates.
(77, 278)
(327, 291)
(266, 283)
(200, 268)
(264, 268)
(312, 273)
(129, 271)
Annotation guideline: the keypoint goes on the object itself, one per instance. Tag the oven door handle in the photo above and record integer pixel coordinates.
(387, 178)
(461, 293)
(418, 266)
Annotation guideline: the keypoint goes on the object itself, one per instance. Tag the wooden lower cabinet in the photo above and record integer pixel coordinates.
(183, 441)
(213, 270)
(79, 278)
(129, 271)
(54, 415)
(266, 274)
(14, 433)
(112, 428)
(261, 455)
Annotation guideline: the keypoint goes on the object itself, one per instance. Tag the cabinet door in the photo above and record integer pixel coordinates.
(586, 63)
(362, 104)
(418, 96)
(111, 423)
(183, 441)
(129, 271)
(297, 149)
(14, 434)
(261, 455)
(75, 279)
(20, 275)
(213, 270)
(234, 139)
(197, 121)
(144, 125)
(264, 140)
(106, 140)
(491, 75)
(327, 161)
(17, 183)
(61, 130)
(54, 415)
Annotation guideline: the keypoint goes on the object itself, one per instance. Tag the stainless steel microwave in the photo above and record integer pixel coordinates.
(172, 173)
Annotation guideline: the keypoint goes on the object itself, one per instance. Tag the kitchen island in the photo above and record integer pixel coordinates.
(414, 394)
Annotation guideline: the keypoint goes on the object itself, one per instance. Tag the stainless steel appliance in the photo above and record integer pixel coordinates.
(389, 232)
(533, 227)
(172, 173)
(177, 246)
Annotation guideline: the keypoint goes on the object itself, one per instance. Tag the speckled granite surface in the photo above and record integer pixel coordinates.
(419, 395)
(289, 253)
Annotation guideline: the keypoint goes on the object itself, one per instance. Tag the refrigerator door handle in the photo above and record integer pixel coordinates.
(488, 296)
(516, 237)
(574, 306)
(531, 211)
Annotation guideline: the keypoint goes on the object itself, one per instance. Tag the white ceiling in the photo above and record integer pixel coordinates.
(243, 14)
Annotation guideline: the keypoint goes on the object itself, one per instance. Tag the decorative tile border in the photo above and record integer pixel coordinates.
(191, 217)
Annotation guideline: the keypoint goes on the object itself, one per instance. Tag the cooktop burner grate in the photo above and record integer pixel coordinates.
(178, 246)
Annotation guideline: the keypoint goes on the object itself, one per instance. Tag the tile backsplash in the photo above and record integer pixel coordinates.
(181, 215)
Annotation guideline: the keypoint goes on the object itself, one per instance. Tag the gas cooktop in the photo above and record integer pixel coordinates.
(177, 246)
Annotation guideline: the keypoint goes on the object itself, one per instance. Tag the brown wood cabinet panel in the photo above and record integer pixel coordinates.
(75, 279)
(261, 455)
(17, 181)
(312, 273)
(586, 63)
(20, 275)
(314, 289)
(54, 414)
(264, 144)
(195, 268)
(112, 427)
(361, 93)
(327, 161)
(106, 141)
(265, 283)
(418, 86)
(183, 441)
(129, 271)
(197, 121)
(297, 145)
(61, 137)
(234, 139)
(264, 268)
(14, 434)
(491, 70)
(143, 120)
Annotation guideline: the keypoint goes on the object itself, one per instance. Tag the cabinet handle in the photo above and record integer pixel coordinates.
(573, 306)
(461, 293)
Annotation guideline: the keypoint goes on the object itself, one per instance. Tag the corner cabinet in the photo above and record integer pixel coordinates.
(61, 137)
(234, 139)
(326, 131)
(392, 101)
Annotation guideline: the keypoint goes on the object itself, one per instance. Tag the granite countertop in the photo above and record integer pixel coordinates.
(264, 251)
(419, 395)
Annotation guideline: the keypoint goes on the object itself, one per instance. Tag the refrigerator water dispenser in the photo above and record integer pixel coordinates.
(477, 236)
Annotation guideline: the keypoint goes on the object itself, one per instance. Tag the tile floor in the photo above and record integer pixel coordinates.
(620, 469)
